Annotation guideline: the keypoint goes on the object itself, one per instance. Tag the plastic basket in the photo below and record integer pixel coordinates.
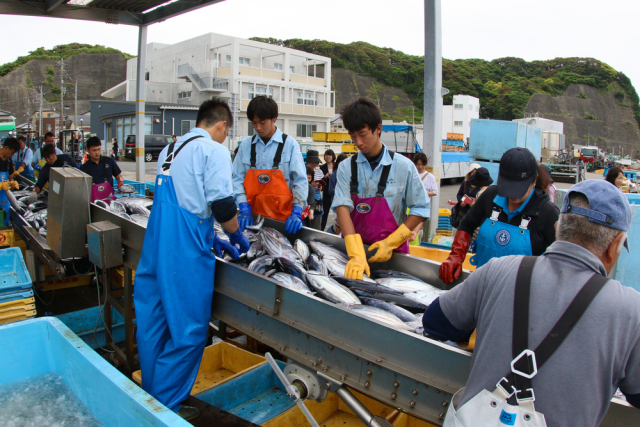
(140, 188)
(14, 276)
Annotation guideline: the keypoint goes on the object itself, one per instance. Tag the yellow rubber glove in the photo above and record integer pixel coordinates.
(385, 247)
(4, 185)
(18, 171)
(357, 266)
(14, 185)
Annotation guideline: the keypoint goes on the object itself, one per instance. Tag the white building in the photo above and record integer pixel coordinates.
(195, 70)
(457, 118)
(540, 122)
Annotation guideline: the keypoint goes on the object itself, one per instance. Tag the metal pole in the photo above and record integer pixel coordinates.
(40, 115)
(75, 107)
(61, 101)
(140, 108)
(432, 121)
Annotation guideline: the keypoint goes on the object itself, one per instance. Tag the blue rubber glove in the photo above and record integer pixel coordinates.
(239, 239)
(244, 216)
(220, 245)
(294, 222)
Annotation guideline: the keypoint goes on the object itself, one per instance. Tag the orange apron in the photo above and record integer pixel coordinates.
(266, 189)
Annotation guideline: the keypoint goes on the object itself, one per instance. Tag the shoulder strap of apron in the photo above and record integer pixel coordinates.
(382, 184)
(104, 168)
(253, 151)
(354, 175)
(171, 155)
(278, 157)
(526, 363)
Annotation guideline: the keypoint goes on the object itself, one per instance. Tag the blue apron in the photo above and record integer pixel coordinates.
(497, 239)
(4, 202)
(172, 295)
(28, 170)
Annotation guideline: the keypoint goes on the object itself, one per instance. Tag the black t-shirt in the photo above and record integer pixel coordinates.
(97, 170)
(62, 160)
(6, 166)
(375, 160)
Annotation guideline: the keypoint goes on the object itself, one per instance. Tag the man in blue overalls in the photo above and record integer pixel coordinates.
(174, 279)
(22, 160)
(10, 147)
(514, 217)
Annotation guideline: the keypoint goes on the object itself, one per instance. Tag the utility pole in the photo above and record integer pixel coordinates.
(61, 95)
(75, 108)
(40, 115)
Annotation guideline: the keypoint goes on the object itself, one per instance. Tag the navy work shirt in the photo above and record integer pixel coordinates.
(62, 160)
(97, 170)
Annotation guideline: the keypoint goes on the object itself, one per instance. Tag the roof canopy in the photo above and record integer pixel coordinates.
(136, 12)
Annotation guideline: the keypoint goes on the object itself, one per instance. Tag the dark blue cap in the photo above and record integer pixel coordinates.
(607, 205)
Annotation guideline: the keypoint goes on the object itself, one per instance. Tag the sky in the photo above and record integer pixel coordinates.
(491, 29)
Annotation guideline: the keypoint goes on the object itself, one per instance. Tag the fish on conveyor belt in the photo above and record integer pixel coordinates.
(291, 267)
(365, 284)
(117, 207)
(324, 250)
(140, 219)
(42, 231)
(262, 265)
(292, 282)
(380, 316)
(256, 250)
(406, 285)
(426, 297)
(15, 204)
(126, 189)
(314, 263)
(101, 203)
(394, 297)
(275, 234)
(331, 290)
(391, 274)
(125, 216)
(275, 243)
(38, 205)
(271, 272)
(302, 248)
(135, 209)
(337, 267)
(257, 225)
(399, 312)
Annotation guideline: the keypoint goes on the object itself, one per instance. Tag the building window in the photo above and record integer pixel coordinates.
(477, 108)
(187, 125)
(307, 99)
(216, 59)
(259, 91)
(459, 106)
(228, 59)
(244, 61)
(471, 107)
(182, 95)
(48, 128)
(146, 76)
(277, 67)
(291, 69)
(457, 123)
(304, 130)
(49, 114)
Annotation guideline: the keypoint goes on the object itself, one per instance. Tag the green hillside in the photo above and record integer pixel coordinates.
(503, 85)
(63, 51)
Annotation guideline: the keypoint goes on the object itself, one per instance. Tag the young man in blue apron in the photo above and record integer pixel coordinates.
(52, 160)
(103, 170)
(22, 160)
(10, 147)
(269, 175)
(374, 189)
(38, 161)
(514, 217)
(174, 279)
(555, 337)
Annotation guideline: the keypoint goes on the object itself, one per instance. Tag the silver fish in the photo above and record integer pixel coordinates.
(314, 263)
(43, 232)
(394, 297)
(425, 297)
(126, 189)
(15, 204)
(302, 248)
(380, 316)
(101, 203)
(275, 234)
(271, 272)
(399, 312)
(364, 284)
(125, 216)
(337, 267)
(331, 290)
(392, 274)
(274, 243)
(291, 282)
(135, 209)
(255, 250)
(117, 207)
(292, 256)
(257, 225)
(292, 267)
(140, 219)
(261, 265)
(327, 250)
(406, 285)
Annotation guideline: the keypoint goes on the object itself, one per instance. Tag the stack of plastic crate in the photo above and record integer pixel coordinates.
(16, 291)
(444, 225)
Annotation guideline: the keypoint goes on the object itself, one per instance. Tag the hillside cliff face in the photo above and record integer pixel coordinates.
(93, 73)
(592, 116)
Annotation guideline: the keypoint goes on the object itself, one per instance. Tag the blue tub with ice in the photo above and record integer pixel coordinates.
(49, 376)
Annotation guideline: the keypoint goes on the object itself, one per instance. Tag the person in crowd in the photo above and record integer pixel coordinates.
(328, 169)
(308, 213)
(547, 320)
(430, 186)
(514, 217)
(54, 160)
(615, 176)
(175, 138)
(313, 159)
(9, 149)
(373, 191)
(334, 176)
(465, 189)
(545, 182)
(38, 158)
(318, 212)
(103, 170)
(268, 172)
(23, 159)
(114, 148)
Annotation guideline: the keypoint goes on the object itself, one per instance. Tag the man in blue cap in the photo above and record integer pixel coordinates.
(555, 336)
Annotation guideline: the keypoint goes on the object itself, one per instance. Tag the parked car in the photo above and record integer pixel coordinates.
(153, 145)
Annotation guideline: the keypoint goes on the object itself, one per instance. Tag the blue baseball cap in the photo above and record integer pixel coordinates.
(607, 205)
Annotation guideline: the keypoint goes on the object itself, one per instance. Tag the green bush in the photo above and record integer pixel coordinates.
(583, 96)
(589, 117)
(619, 95)
(585, 137)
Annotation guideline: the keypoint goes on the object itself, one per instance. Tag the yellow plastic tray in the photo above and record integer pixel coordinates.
(220, 363)
(18, 303)
(438, 255)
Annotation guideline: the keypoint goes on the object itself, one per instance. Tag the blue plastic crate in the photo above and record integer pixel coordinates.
(140, 188)
(15, 296)
(14, 276)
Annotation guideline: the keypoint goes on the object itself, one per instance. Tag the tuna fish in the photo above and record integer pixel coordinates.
(117, 207)
(302, 248)
(392, 274)
(380, 316)
(406, 285)
(125, 216)
(331, 290)
(126, 189)
(273, 243)
(426, 297)
(291, 267)
(102, 204)
(15, 204)
(315, 264)
(257, 225)
(255, 250)
(262, 265)
(140, 219)
(394, 297)
(324, 250)
(399, 312)
(292, 282)
(364, 284)
(136, 209)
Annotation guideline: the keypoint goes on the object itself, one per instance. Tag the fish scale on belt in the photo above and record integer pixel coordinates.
(331, 290)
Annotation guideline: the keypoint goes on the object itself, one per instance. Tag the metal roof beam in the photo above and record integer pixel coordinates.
(52, 4)
(65, 11)
(176, 8)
